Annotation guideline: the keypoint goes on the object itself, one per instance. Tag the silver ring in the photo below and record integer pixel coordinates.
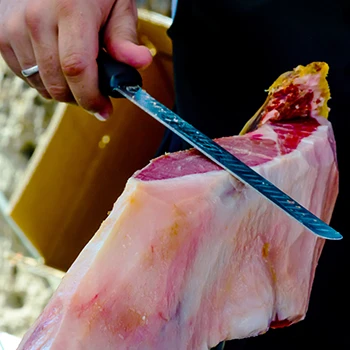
(30, 71)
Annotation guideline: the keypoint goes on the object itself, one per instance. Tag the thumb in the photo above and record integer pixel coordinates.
(120, 36)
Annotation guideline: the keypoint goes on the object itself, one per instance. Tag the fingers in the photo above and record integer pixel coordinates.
(78, 49)
(43, 35)
(5, 47)
(9, 56)
(120, 37)
(19, 54)
(62, 38)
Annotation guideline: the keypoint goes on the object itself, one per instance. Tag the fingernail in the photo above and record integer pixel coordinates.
(152, 51)
(101, 116)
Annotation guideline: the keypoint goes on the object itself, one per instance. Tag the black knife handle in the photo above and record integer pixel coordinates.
(113, 74)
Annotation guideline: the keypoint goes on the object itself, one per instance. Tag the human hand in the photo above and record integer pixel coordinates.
(63, 38)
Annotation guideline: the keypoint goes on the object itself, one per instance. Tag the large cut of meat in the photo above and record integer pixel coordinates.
(189, 256)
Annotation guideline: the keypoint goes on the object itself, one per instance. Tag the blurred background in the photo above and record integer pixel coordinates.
(26, 283)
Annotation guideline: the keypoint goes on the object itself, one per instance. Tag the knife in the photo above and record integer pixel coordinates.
(118, 80)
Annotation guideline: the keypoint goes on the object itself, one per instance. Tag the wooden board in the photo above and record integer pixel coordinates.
(81, 166)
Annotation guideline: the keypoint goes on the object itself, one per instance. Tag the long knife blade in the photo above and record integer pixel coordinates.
(117, 81)
(226, 160)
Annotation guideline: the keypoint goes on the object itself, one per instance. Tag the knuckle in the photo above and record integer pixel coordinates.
(66, 7)
(14, 27)
(74, 64)
(59, 93)
(33, 16)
